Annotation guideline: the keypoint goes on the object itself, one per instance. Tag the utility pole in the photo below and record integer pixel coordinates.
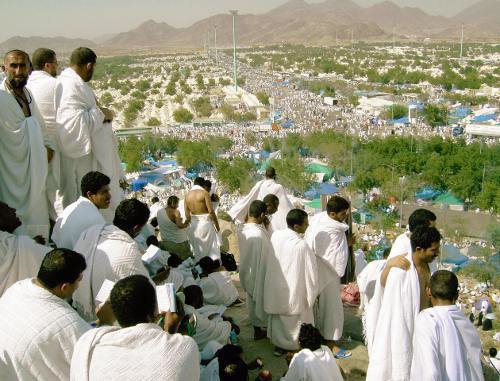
(234, 13)
(462, 42)
(215, 45)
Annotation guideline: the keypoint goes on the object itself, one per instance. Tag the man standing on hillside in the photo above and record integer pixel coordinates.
(204, 225)
(23, 157)
(87, 139)
(42, 84)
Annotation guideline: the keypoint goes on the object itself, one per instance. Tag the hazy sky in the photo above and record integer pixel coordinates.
(92, 18)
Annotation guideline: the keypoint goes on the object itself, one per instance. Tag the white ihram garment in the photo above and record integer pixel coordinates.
(390, 321)
(42, 85)
(110, 254)
(75, 219)
(87, 143)
(239, 211)
(255, 248)
(328, 240)
(446, 347)
(39, 332)
(218, 289)
(319, 365)
(142, 352)
(209, 329)
(203, 237)
(20, 258)
(23, 160)
(291, 287)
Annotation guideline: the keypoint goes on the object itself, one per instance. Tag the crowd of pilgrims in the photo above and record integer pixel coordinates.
(85, 274)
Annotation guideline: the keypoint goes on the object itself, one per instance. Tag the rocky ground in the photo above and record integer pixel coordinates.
(354, 367)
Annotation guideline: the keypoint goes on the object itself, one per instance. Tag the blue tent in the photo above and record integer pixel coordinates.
(484, 118)
(460, 112)
(427, 193)
(418, 105)
(320, 188)
(287, 124)
(138, 184)
(264, 154)
(402, 120)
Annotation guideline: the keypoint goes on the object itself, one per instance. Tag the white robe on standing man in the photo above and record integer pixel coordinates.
(43, 87)
(291, 287)
(446, 346)
(328, 240)
(23, 160)
(255, 248)
(88, 144)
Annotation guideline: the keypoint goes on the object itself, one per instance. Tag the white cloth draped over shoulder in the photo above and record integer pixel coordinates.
(291, 285)
(255, 248)
(239, 211)
(218, 288)
(23, 160)
(319, 365)
(110, 254)
(142, 352)
(402, 246)
(328, 240)
(446, 346)
(367, 281)
(39, 332)
(203, 238)
(87, 143)
(42, 85)
(390, 321)
(209, 329)
(75, 219)
(20, 258)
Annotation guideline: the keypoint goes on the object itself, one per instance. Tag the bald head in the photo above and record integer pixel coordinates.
(16, 65)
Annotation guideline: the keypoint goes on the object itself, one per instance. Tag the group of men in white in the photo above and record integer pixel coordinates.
(59, 159)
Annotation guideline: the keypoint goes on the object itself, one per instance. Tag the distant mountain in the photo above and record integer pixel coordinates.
(58, 44)
(298, 22)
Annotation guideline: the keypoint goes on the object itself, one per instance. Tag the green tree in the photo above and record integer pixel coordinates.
(192, 153)
(179, 98)
(153, 122)
(170, 90)
(106, 99)
(159, 104)
(203, 106)
(235, 174)
(263, 98)
(227, 111)
(354, 100)
(250, 138)
(182, 115)
(291, 174)
(200, 82)
(435, 115)
(130, 151)
(143, 85)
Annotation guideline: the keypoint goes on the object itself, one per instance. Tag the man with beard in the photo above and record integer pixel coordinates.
(87, 139)
(23, 157)
(42, 84)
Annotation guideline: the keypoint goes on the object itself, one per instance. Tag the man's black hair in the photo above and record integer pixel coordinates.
(271, 199)
(17, 52)
(200, 181)
(152, 240)
(424, 237)
(41, 56)
(309, 337)
(270, 173)
(61, 266)
(130, 213)
(207, 184)
(237, 370)
(420, 217)
(174, 260)
(444, 285)
(337, 204)
(133, 300)
(82, 56)
(154, 199)
(257, 207)
(193, 296)
(208, 264)
(295, 217)
(92, 182)
(172, 200)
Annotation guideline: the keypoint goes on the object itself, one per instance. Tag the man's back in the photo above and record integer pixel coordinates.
(42, 85)
(143, 352)
(446, 346)
(39, 331)
(196, 201)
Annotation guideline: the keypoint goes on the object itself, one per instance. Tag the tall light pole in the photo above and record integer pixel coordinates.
(462, 42)
(234, 13)
(215, 45)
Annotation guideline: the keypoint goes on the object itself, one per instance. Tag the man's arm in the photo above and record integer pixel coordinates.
(178, 220)
(400, 261)
(208, 203)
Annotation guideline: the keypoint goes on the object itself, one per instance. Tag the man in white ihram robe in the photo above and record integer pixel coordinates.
(328, 240)
(23, 160)
(112, 254)
(239, 211)
(291, 287)
(87, 142)
(42, 84)
(318, 365)
(446, 346)
(255, 247)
